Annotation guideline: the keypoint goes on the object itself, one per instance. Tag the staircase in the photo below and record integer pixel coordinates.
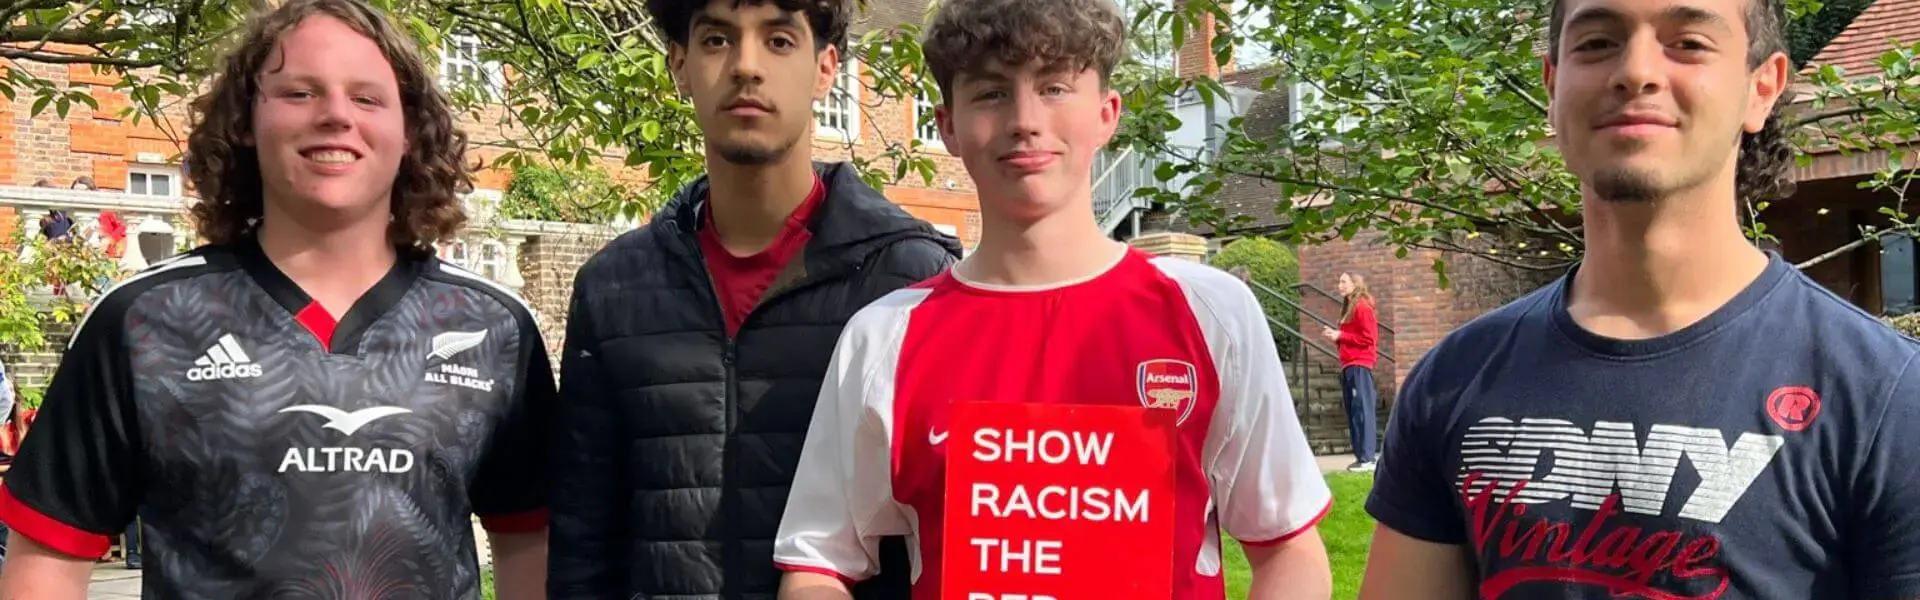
(1116, 175)
(1313, 374)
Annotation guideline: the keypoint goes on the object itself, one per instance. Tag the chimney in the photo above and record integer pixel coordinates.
(1196, 51)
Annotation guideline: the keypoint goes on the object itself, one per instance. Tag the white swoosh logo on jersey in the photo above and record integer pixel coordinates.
(347, 422)
(935, 438)
(450, 343)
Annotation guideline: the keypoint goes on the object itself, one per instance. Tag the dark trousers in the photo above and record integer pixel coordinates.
(1356, 386)
(131, 545)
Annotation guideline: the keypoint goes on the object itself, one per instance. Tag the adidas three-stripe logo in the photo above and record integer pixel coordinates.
(225, 360)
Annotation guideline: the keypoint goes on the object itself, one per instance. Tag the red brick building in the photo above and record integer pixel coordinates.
(135, 167)
(142, 159)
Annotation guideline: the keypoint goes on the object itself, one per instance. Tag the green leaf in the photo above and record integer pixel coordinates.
(39, 105)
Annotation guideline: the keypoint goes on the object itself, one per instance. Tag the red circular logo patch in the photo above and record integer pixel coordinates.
(1793, 407)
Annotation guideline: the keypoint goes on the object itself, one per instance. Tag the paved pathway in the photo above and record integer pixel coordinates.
(113, 581)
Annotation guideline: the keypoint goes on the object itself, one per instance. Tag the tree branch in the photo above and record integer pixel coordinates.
(72, 59)
(1453, 248)
(53, 35)
(1806, 120)
(1849, 246)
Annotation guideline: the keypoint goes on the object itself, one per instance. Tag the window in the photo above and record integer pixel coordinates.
(493, 261)
(1899, 274)
(839, 115)
(454, 252)
(461, 66)
(153, 181)
(488, 258)
(926, 129)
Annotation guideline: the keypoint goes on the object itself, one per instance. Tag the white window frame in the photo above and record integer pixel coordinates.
(482, 205)
(925, 127)
(492, 267)
(454, 252)
(846, 88)
(452, 62)
(172, 173)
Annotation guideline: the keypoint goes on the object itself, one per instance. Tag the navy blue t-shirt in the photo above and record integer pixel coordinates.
(1762, 453)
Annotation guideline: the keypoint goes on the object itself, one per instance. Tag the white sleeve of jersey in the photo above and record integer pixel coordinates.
(842, 497)
(1267, 486)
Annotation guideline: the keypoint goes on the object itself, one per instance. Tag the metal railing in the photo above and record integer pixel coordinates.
(1116, 175)
(1303, 342)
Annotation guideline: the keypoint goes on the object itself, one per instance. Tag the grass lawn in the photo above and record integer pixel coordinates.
(1346, 530)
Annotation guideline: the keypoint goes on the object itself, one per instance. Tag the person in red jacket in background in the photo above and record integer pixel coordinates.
(1357, 340)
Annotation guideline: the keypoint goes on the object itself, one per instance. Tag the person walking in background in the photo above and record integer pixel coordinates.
(1357, 340)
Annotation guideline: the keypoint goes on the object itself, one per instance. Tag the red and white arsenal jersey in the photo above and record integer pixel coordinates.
(874, 459)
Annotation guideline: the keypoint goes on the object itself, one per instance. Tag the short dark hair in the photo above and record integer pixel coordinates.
(967, 35)
(426, 192)
(1766, 158)
(827, 18)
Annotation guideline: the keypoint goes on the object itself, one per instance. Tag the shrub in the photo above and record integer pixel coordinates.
(572, 195)
(1908, 324)
(27, 299)
(1274, 266)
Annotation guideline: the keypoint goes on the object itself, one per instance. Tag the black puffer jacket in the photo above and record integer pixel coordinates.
(679, 445)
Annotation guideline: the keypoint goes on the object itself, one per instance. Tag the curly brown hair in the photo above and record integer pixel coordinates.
(1765, 171)
(965, 36)
(226, 171)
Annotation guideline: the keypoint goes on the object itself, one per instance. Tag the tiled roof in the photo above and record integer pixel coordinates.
(1251, 197)
(1856, 48)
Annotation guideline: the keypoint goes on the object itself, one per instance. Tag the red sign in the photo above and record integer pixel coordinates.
(1058, 502)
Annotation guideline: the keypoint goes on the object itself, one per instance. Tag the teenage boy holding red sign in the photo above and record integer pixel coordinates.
(1042, 383)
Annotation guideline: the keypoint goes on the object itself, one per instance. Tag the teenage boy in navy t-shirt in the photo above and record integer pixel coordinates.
(1682, 415)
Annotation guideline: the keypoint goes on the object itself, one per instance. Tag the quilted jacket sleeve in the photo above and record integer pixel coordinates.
(911, 260)
(586, 553)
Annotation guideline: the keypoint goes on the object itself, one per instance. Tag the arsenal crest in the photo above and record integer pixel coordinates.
(1169, 384)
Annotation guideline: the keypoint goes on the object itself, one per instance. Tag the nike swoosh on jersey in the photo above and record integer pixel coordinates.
(935, 438)
(347, 422)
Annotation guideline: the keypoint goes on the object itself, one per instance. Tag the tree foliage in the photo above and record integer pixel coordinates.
(1277, 269)
(1433, 128)
(31, 303)
(581, 82)
(569, 194)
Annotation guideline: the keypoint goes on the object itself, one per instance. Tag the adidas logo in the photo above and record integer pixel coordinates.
(225, 360)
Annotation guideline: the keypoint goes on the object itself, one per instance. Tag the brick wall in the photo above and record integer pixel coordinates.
(98, 143)
(548, 264)
(33, 369)
(1196, 51)
(950, 200)
(1409, 298)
